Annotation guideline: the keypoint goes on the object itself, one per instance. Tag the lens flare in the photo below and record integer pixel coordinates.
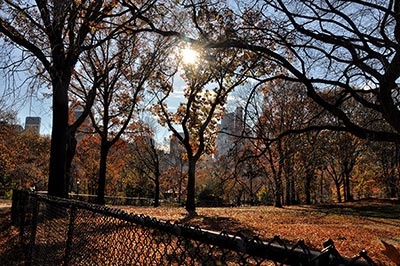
(189, 56)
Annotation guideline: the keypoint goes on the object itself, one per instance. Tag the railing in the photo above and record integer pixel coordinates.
(115, 200)
(66, 232)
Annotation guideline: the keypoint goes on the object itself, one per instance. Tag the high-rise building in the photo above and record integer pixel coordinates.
(230, 128)
(175, 148)
(84, 128)
(32, 124)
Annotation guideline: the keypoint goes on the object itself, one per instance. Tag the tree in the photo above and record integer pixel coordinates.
(275, 109)
(349, 48)
(86, 163)
(52, 36)
(385, 156)
(174, 178)
(147, 157)
(341, 158)
(33, 161)
(24, 156)
(209, 83)
(121, 67)
(308, 160)
(8, 154)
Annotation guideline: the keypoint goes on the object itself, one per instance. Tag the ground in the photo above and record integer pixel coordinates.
(352, 226)
(11, 253)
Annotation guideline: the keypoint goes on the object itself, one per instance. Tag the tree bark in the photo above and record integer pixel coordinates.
(307, 186)
(57, 185)
(71, 148)
(279, 191)
(278, 194)
(190, 194)
(288, 176)
(338, 194)
(102, 173)
(347, 193)
(157, 190)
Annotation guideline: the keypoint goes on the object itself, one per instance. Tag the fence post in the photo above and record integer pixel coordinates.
(15, 207)
(323, 258)
(70, 235)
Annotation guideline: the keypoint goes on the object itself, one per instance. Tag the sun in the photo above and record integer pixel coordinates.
(189, 56)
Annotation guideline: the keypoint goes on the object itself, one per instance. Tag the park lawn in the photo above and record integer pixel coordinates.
(352, 226)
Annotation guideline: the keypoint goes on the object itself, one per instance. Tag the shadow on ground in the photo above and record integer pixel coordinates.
(368, 208)
(219, 224)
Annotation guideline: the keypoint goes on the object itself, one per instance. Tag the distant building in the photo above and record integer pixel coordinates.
(230, 128)
(175, 147)
(84, 128)
(77, 113)
(32, 124)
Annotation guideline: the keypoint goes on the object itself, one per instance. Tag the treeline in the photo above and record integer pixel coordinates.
(307, 69)
(273, 160)
(24, 157)
(259, 165)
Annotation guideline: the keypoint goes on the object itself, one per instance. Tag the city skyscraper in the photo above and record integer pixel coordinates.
(32, 123)
(231, 126)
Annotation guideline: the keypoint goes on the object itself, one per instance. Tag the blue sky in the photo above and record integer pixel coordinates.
(37, 104)
(16, 96)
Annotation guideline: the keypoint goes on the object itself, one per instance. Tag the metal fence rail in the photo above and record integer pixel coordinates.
(66, 232)
(115, 200)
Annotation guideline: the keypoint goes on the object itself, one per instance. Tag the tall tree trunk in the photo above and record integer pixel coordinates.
(321, 187)
(251, 190)
(71, 148)
(278, 193)
(190, 190)
(288, 190)
(157, 190)
(102, 172)
(338, 194)
(278, 178)
(347, 168)
(307, 186)
(347, 191)
(293, 195)
(57, 183)
(278, 199)
(288, 197)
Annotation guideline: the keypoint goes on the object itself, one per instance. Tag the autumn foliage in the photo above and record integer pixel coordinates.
(319, 120)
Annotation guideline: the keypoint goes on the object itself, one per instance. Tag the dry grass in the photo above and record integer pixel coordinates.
(352, 226)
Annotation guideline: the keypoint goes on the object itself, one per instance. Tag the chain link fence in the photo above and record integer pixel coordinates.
(67, 232)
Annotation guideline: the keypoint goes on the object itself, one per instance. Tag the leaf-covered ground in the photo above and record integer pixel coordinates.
(352, 226)
(11, 252)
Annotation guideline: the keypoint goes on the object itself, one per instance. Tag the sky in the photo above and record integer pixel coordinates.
(38, 105)
(17, 98)
(40, 108)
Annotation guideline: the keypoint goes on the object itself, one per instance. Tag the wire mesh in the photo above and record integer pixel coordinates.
(66, 232)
